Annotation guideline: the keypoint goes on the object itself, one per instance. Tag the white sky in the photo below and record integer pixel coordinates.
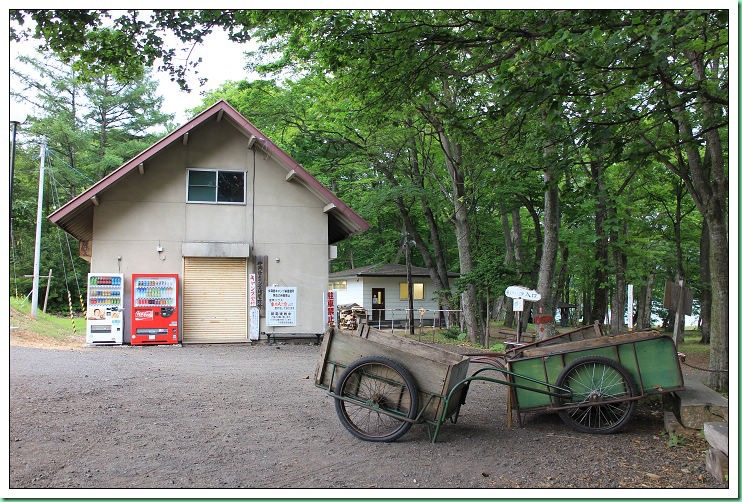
(222, 60)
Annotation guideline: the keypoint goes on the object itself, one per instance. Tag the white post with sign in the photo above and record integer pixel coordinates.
(520, 294)
(518, 305)
(630, 303)
(254, 323)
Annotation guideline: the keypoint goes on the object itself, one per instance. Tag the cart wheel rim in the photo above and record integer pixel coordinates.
(601, 399)
(377, 400)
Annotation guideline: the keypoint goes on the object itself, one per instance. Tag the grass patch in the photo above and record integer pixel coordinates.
(450, 337)
(45, 324)
(691, 345)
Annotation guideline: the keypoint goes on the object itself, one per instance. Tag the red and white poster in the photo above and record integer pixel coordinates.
(330, 308)
(253, 291)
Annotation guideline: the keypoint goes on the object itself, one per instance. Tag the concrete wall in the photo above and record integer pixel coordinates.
(284, 220)
(353, 293)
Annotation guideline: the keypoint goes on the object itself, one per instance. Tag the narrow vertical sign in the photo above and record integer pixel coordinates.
(261, 277)
(254, 323)
(330, 319)
(252, 291)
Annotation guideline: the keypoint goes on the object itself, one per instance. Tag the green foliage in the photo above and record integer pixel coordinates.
(452, 333)
(674, 440)
(594, 98)
(91, 127)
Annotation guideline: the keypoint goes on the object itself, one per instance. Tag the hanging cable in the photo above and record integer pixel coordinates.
(57, 203)
(55, 200)
(15, 274)
(65, 164)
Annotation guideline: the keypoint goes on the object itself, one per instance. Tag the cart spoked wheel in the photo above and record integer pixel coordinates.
(377, 394)
(601, 394)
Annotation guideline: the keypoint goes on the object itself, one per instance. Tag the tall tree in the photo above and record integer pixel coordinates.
(123, 116)
(619, 87)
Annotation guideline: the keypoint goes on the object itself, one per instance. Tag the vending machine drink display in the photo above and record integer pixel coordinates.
(154, 306)
(105, 312)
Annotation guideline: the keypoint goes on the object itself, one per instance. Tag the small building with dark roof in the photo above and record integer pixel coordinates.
(382, 291)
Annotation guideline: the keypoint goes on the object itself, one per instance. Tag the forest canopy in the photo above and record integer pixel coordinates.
(574, 152)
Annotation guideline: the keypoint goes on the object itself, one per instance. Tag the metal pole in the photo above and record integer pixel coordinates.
(37, 248)
(410, 301)
(10, 195)
(12, 164)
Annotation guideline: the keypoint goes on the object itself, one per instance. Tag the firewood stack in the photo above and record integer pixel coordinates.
(350, 315)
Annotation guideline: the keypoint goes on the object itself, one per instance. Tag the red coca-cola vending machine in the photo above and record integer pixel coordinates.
(154, 307)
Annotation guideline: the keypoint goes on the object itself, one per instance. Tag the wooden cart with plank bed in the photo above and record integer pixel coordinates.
(383, 383)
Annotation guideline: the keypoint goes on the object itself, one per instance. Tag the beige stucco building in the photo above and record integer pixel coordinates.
(214, 202)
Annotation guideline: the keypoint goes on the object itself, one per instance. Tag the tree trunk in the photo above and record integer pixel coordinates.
(587, 308)
(618, 323)
(544, 318)
(719, 356)
(600, 287)
(538, 238)
(562, 288)
(709, 187)
(453, 157)
(705, 259)
(644, 303)
(505, 222)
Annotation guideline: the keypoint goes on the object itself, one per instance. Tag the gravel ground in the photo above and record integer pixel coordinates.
(241, 416)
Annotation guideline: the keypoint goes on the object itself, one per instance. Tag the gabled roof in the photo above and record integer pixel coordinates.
(385, 270)
(76, 217)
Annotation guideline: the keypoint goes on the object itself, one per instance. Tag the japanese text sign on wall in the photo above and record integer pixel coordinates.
(280, 306)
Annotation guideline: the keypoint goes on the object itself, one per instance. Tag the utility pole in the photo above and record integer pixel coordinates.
(12, 162)
(37, 248)
(410, 314)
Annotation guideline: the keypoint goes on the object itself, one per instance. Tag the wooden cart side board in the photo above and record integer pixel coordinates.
(577, 334)
(434, 370)
(588, 343)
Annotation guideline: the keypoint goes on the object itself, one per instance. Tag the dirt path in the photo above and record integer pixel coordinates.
(211, 416)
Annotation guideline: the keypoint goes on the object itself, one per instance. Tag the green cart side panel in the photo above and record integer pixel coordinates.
(651, 361)
(660, 368)
(542, 369)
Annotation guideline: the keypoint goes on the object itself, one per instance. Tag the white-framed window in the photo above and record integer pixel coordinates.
(418, 291)
(341, 285)
(213, 186)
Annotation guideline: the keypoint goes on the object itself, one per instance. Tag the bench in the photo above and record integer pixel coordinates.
(272, 337)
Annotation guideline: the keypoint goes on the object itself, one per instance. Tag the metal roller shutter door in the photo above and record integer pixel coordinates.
(215, 300)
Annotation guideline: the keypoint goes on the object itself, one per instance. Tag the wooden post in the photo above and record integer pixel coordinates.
(46, 296)
(487, 322)
(679, 311)
(72, 315)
